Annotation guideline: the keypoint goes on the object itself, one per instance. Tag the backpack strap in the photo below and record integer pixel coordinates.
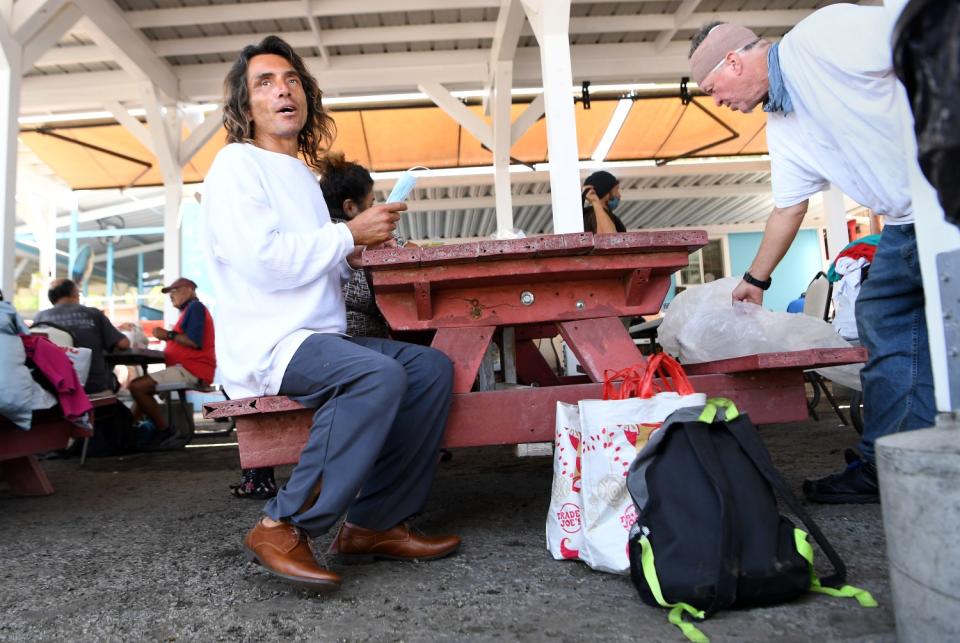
(750, 442)
(805, 549)
(698, 433)
(649, 569)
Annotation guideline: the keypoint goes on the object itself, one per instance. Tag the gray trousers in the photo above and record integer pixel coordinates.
(381, 410)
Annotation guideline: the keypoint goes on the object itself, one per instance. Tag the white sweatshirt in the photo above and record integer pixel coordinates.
(845, 128)
(276, 263)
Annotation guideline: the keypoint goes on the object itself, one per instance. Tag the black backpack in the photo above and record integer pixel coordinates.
(709, 535)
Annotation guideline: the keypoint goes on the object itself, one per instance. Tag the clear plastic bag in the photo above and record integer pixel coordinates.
(702, 325)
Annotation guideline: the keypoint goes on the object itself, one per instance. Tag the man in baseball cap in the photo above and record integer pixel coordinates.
(831, 97)
(190, 359)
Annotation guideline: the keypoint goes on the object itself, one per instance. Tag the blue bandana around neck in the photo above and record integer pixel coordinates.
(778, 98)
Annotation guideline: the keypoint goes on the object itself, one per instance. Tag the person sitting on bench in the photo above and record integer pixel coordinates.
(90, 328)
(277, 263)
(188, 354)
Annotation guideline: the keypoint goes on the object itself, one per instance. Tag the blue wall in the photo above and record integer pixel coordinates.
(794, 273)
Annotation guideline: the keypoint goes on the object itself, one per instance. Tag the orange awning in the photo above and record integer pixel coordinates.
(396, 138)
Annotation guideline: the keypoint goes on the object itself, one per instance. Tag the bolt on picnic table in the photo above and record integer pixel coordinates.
(575, 285)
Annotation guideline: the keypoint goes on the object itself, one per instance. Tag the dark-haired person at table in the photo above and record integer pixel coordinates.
(188, 354)
(601, 196)
(90, 328)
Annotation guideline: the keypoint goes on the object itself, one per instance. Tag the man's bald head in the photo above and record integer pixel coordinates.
(63, 291)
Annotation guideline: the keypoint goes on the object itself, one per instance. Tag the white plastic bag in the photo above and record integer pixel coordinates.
(565, 516)
(702, 325)
(80, 358)
(134, 332)
(591, 521)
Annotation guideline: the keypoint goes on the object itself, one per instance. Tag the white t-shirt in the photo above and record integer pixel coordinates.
(276, 264)
(845, 128)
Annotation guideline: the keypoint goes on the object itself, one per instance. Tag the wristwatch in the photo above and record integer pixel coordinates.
(171, 334)
(753, 281)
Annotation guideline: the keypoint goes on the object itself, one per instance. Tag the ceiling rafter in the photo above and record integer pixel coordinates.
(210, 14)
(665, 24)
(373, 72)
(107, 26)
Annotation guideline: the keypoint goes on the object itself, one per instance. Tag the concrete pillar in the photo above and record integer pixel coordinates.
(551, 25)
(835, 221)
(919, 473)
(10, 76)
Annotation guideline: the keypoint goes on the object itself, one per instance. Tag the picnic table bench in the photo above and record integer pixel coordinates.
(49, 431)
(515, 292)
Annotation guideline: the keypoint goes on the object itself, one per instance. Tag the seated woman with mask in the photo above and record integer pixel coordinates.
(601, 196)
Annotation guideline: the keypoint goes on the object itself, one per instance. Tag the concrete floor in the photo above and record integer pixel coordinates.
(147, 547)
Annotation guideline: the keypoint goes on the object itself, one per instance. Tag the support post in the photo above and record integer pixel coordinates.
(109, 291)
(72, 243)
(551, 25)
(165, 132)
(10, 77)
(502, 103)
(835, 221)
(510, 22)
(47, 238)
(139, 274)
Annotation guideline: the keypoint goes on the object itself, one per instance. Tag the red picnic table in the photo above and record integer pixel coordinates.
(49, 431)
(517, 291)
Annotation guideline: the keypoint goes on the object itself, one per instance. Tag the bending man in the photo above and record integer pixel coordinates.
(831, 97)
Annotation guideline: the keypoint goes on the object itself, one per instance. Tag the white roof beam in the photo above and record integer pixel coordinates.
(316, 31)
(88, 54)
(253, 11)
(131, 252)
(684, 11)
(29, 16)
(527, 118)
(210, 14)
(140, 205)
(372, 73)
(551, 24)
(510, 22)
(459, 112)
(49, 34)
(106, 25)
(200, 135)
(131, 124)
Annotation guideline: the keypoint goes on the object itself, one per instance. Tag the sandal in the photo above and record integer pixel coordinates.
(257, 484)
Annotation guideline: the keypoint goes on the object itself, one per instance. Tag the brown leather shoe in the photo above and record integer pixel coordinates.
(399, 543)
(285, 552)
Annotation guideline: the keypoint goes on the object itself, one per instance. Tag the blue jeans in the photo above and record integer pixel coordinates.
(897, 380)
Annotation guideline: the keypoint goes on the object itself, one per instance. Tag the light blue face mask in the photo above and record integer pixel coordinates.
(613, 203)
(404, 185)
